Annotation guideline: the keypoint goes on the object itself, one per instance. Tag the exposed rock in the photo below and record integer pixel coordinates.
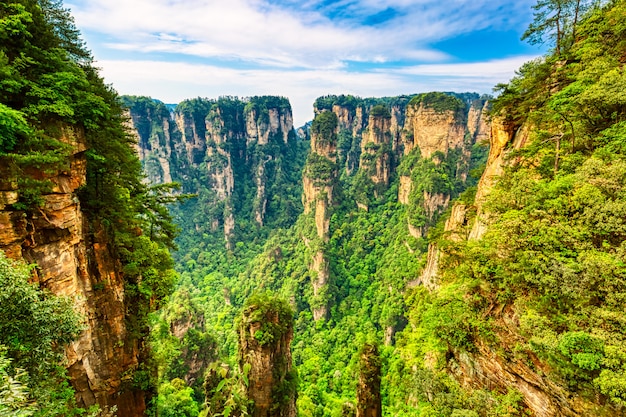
(259, 130)
(487, 367)
(368, 389)
(216, 146)
(376, 149)
(455, 231)
(321, 274)
(319, 180)
(193, 138)
(433, 131)
(265, 336)
(152, 147)
(502, 136)
(435, 203)
(74, 259)
(404, 189)
(260, 202)
(478, 125)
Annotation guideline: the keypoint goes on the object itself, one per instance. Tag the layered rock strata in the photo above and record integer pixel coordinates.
(319, 181)
(74, 259)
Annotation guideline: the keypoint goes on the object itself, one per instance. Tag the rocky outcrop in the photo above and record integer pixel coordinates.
(488, 368)
(319, 181)
(376, 148)
(478, 123)
(502, 137)
(455, 229)
(404, 189)
(433, 131)
(193, 143)
(260, 126)
(220, 164)
(74, 259)
(154, 144)
(216, 148)
(265, 336)
(368, 388)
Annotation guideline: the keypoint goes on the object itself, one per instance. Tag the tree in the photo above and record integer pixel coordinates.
(557, 20)
(34, 328)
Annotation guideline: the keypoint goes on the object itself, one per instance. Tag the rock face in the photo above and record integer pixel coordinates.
(502, 135)
(485, 367)
(376, 148)
(265, 335)
(368, 389)
(218, 149)
(433, 131)
(456, 230)
(74, 259)
(319, 181)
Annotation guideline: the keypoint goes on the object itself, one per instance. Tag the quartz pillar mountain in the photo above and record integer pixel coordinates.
(319, 183)
(364, 146)
(222, 149)
(368, 388)
(265, 335)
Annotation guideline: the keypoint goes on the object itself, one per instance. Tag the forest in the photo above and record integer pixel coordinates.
(434, 254)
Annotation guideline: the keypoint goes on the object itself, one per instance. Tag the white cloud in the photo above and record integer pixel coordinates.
(173, 82)
(290, 34)
(493, 69)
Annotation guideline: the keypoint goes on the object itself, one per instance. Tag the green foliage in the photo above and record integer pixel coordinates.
(176, 400)
(327, 102)
(320, 169)
(225, 391)
(553, 253)
(380, 110)
(35, 326)
(13, 128)
(325, 127)
(439, 102)
(274, 315)
(53, 104)
(557, 20)
(14, 395)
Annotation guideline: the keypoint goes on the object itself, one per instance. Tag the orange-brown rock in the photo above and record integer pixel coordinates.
(368, 388)
(376, 149)
(265, 336)
(433, 131)
(74, 259)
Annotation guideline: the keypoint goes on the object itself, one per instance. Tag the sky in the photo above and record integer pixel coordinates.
(173, 50)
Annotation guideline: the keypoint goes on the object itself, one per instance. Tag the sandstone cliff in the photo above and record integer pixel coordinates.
(376, 147)
(433, 131)
(368, 388)
(319, 182)
(74, 259)
(218, 148)
(265, 336)
(486, 366)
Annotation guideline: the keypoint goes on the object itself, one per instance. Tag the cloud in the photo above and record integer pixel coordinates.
(173, 82)
(307, 34)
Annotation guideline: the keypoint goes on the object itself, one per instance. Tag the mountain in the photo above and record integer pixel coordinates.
(360, 151)
(436, 254)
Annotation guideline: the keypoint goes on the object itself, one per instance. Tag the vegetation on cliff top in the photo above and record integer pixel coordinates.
(439, 102)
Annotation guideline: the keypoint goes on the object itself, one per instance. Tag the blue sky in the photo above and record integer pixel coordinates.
(177, 49)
